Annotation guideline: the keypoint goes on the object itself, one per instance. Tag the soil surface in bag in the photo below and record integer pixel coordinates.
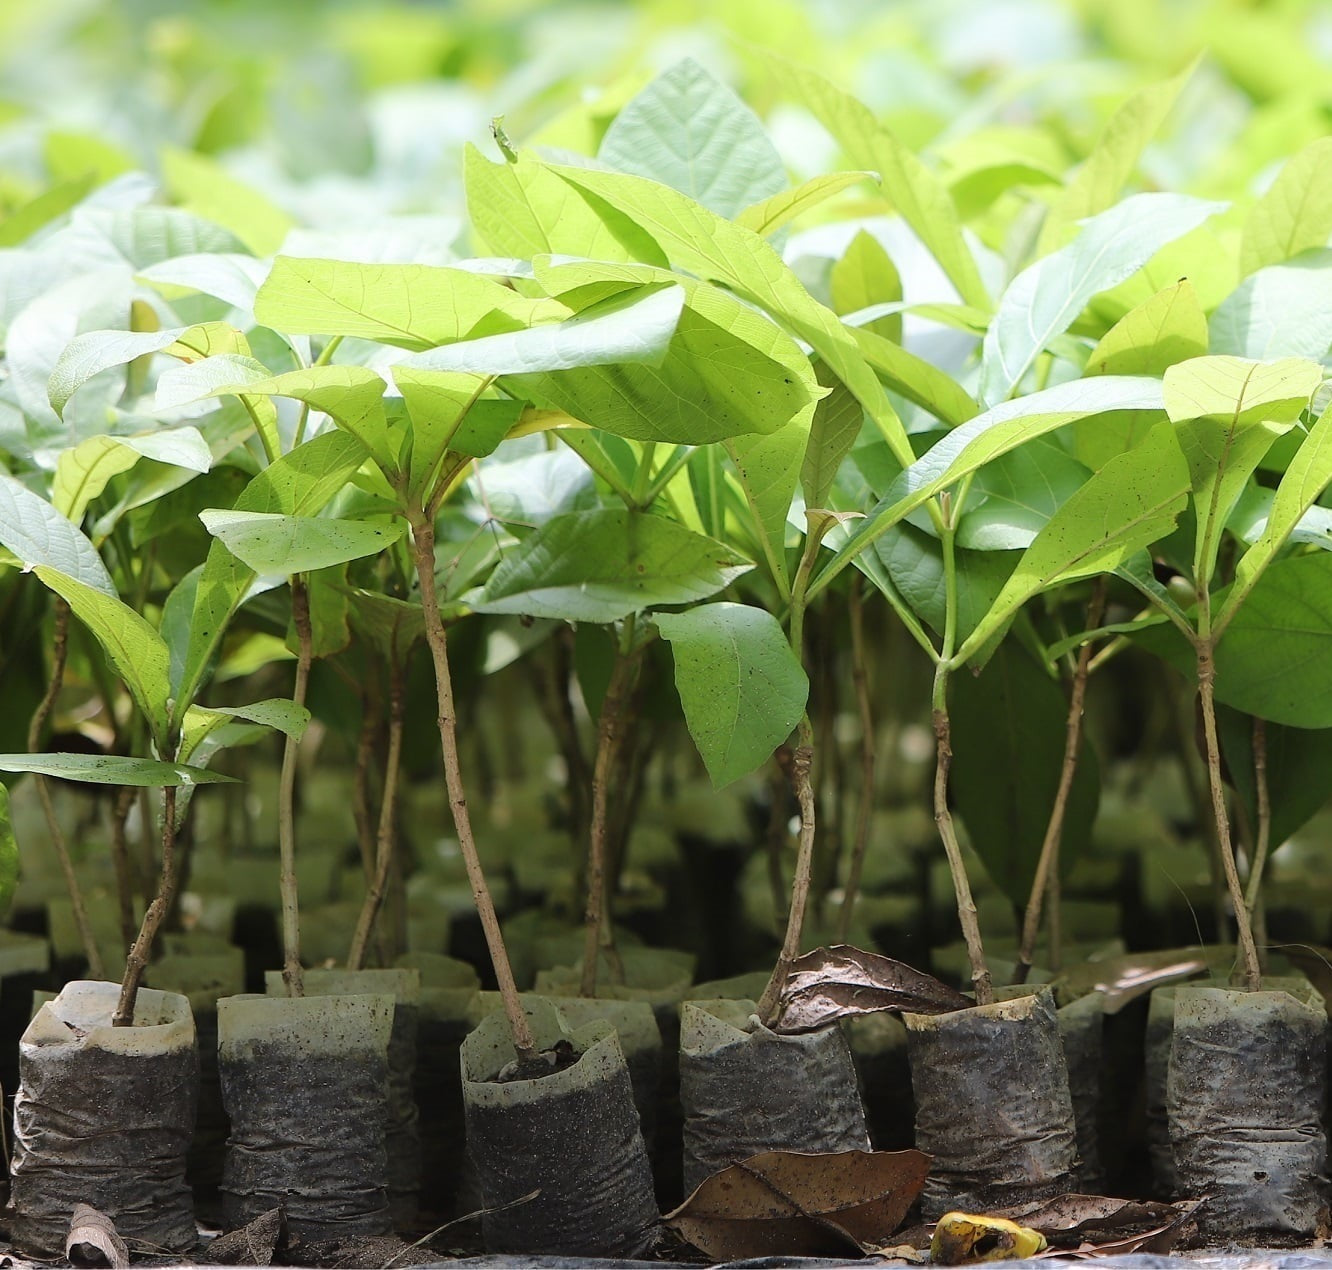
(305, 1081)
(1244, 1096)
(992, 1105)
(572, 1135)
(746, 1089)
(103, 1116)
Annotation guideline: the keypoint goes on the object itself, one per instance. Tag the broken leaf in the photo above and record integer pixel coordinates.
(94, 1241)
(799, 1204)
(962, 1239)
(1074, 1219)
(257, 1243)
(834, 983)
(1160, 1239)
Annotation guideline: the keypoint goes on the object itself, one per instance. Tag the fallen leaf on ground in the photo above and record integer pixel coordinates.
(964, 1239)
(799, 1204)
(94, 1241)
(1072, 1219)
(1161, 1240)
(257, 1243)
(834, 983)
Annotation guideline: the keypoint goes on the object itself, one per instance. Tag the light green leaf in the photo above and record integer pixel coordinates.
(1012, 498)
(1170, 327)
(865, 275)
(227, 276)
(135, 650)
(1132, 502)
(300, 483)
(37, 534)
(632, 328)
(600, 566)
(92, 352)
(1305, 479)
(915, 378)
(82, 472)
(277, 713)
(1295, 213)
(772, 214)
(1042, 301)
(201, 184)
(1280, 311)
(446, 413)
(1227, 412)
(40, 211)
(523, 210)
(742, 688)
(690, 131)
(111, 769)
(412, 306)
(1119, 147)
(917, 193)
(272, 544)
(833, 431)
(768, 468)
(984, 439)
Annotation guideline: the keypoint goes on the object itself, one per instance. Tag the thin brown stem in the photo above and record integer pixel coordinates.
(943, 819)
(802, 761)
(1253, 975)
(120, 861)
(365, 753)
(1046, 882)
(552, 690)
(152, 918)
(1262, 840)
(36, 726)
(423, 541)
(610, 738)
(293, 977)
(865, 804)
(386, 833)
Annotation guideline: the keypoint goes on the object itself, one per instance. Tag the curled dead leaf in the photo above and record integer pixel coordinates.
(1159, 1240)
(837, 982)
(94, 1241)
(257, 1243)
(964, 1239)
(1074, 1219)
(799, 1204)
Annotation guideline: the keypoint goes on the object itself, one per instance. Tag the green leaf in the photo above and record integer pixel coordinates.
(524, 210)
(833, 431)
(37, 212)
(82, 472)
(632, 328)
(446, 413)
(773, 213)
(1012, 499)
(1227, 412)
(298, 484)
(135, 650)
(1280, 311)
(768, 469)
(1042, 301)
(1308, 475)
(202, 185)
(1295, 214)
(1132, 502)
(111, 769)
(275, 545)
(866, 275)
(92, 352)
(412, 306)
(1170, 327)
(277, 713)
(37, 534)
(742, 688)
(9, 854)
(1275, 658)
(918, 194)
(1008, 727)
(1298, 760)
(987, 437)
(1113, 159)
(690, 131)
(600, 566)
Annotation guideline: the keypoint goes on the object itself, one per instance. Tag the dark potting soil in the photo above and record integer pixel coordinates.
(546, 1063)
(308, 1133)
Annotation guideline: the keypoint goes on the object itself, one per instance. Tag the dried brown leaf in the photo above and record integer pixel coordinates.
(835, 983)
(94, 1241)
(255, 1244)
(1072, 1219)
(801, 1204)
(1161, 1239)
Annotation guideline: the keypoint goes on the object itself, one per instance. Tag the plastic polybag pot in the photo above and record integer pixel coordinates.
(747, 1089)
(1156, 1065)
(1244, 1095)
(992, 1105)
(402, 1139)
(305, 1082)
(571, 1135)
(103, 1116)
